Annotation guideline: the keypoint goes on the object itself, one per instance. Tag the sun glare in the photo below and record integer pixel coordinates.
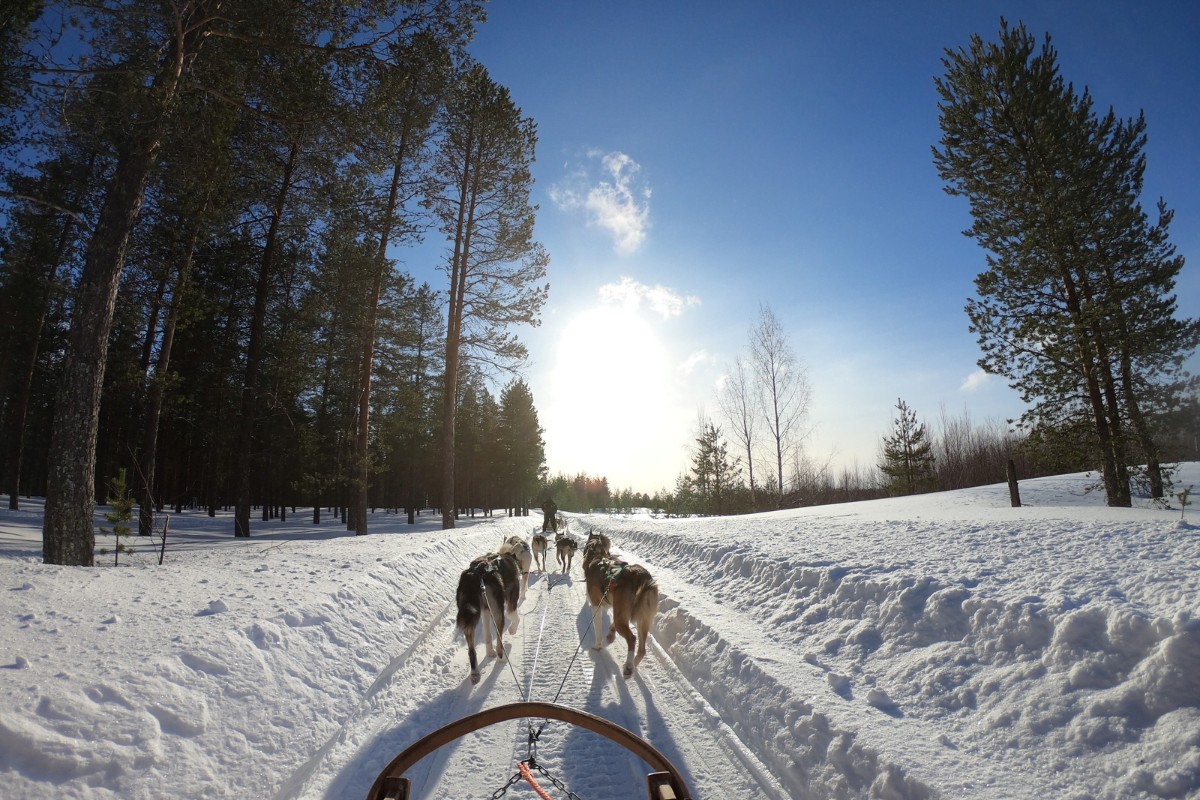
(610, 396)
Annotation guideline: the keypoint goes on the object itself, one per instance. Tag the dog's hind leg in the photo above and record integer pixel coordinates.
(499, 623)
(621, 626)
(487, 633)
(597, 624)
(644, 610)
(470, 635)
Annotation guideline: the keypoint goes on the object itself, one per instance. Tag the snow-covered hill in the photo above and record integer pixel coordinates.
(936, 646)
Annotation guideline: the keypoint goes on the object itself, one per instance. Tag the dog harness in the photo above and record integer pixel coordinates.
(612, 571)
(489, 564)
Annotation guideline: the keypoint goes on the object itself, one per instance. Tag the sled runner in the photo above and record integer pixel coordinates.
(665, 784)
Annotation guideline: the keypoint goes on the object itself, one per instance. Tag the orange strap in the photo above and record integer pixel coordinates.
(528, 776)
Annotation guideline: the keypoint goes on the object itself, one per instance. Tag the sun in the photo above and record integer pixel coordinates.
(610, 394)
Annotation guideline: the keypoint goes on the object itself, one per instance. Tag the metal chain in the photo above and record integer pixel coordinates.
(561, 786)
(500, 792)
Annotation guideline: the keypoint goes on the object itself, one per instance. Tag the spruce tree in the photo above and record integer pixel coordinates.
(907, 455)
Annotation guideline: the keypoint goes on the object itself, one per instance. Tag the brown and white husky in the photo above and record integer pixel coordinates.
(564, 548)
(519, 548)
(629, 590)
(540, 545)
(490, 584)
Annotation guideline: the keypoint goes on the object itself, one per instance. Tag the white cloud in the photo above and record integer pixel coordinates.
(630, 294)
(975, 381)
(619, 205)
(690, 363)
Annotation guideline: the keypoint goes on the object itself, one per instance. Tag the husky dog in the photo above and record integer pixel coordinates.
(629, 590)
(565, 547)
(488, 585)
(600, 543)
(519, 548)
(540, 545)
(560, 524)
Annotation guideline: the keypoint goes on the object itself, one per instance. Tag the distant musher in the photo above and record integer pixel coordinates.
(549, 511)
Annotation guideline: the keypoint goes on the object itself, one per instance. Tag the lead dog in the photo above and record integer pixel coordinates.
(540, 545)
(629, 590)
(488, 585)
(564, 548)
(520, 550)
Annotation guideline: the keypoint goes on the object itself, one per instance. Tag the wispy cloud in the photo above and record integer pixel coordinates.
(975, 381)
(691, 362)
(632, 294)
(619, 202)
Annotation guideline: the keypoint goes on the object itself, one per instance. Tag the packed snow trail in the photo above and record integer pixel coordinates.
(431, 688)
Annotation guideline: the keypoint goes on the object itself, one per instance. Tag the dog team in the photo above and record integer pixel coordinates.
(492, 587)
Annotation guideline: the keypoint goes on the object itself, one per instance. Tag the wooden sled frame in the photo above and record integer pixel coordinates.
(665, 784)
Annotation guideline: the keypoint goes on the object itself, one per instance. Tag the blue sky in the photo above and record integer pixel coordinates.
(734, 154)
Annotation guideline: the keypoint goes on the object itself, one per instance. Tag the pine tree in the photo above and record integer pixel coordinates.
(907, 455)
(121, 503)
(714, 474)
(494, 265)
(1075, 308)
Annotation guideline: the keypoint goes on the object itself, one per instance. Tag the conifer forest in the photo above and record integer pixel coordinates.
(207, 212)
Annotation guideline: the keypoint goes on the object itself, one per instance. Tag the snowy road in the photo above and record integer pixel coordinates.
(656, 703)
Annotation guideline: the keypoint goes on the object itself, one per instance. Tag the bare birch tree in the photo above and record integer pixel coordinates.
(783, 391)
(736, 399)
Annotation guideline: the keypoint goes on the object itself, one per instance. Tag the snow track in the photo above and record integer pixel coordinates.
(656, 704)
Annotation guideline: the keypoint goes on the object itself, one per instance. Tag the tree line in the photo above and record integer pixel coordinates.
(202, 218)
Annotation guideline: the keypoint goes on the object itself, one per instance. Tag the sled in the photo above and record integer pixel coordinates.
(665, 784)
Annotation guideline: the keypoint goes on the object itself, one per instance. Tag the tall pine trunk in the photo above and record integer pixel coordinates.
(20, 406)
(68, 533)
(155, 396)
(459, 259)
(368, 354)
(245, 442)
(68, 530)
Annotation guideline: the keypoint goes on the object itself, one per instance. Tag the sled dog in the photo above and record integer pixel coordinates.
(630, 591)
(564, 547)
(488, 585)
(540, 546)
(520, 550)
(599, 543)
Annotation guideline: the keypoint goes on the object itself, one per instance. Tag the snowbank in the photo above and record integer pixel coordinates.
(1044, 648)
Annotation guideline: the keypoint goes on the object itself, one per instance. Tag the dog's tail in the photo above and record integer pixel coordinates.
(645, 605)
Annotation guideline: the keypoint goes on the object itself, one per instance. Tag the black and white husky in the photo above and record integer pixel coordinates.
(488, 585)
(520, 550)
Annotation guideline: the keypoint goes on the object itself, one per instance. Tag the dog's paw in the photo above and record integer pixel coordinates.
(628, 671)
(475, 678)
(598, 646)
(512, 628)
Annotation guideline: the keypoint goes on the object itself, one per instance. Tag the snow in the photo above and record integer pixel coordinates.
(935, 646)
